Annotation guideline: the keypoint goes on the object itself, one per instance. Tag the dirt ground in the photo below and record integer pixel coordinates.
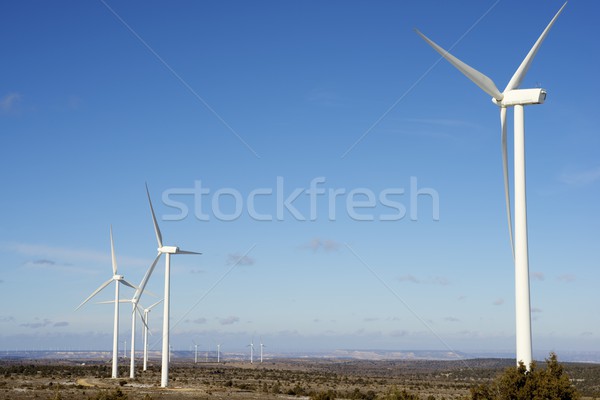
(279, 379)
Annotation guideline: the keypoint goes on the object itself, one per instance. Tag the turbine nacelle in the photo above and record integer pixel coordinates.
(168, 249)
(118, 277)
(521, 97)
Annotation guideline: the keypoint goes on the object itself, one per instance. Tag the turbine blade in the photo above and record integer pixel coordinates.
(187, 252)
(112, 253)
(124, 282)
(105, 284)
(140, 290)
(517, 78)
(140, 312)
(481, 80)
(154, 305)
(151, 293)
(113, 302)
(506, 178)
(156, 228)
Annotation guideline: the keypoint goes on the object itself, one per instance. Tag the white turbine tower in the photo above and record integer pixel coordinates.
(167, 251)
(512, 96)
(218, 353)
(195, 352)
(146, 330)
(251, 345)
(118, 279)
(261, 350)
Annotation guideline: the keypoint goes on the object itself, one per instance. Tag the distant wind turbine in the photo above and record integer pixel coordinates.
(146, 330)
(167, 251)
(195, 352)
(261, 350)
(251, 345)
(218, 353)
(118, 279)
(512, 96)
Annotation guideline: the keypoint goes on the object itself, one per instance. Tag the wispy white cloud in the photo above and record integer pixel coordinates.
(567, 278)
(498, 302)
(538, 276)
(451, 319)
(41, 323)
(435, 280)
(327, 245)
(64, 258)
(197, 271)
(408, 278)
(445, 122)
(43, 261)
(9, 102)
(580, 177)
(229, 320)
(325, 98)
(198, 321)
(239, 259)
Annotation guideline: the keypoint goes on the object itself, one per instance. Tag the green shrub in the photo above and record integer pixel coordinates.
(396, 394)
(551, 383)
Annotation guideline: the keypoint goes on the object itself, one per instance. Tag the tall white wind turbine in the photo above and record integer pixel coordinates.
(118, 279)
(218, 353)
(167, 251)
(512, 96)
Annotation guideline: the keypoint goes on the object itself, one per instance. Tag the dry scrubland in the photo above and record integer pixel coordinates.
(279, 379)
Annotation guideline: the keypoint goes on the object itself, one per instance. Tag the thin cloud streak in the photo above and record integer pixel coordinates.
(580, 178)
(436, 280)
(9, 102)
(49, 255)
(327, 245)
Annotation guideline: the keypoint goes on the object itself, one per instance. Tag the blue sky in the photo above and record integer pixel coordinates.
(99, 97)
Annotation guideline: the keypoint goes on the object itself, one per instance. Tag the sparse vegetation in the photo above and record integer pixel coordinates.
(314, 379)
(551, 383)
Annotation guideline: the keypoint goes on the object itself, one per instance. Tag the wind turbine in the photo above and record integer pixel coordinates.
(512, 96)
(118, 279)
(135, 307)
(167, 251)
(218, 353)
(146, 311)
(261, 350)
(195, 352)
(251, 345)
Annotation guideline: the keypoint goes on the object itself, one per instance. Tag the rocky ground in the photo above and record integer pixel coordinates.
(279, 379)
